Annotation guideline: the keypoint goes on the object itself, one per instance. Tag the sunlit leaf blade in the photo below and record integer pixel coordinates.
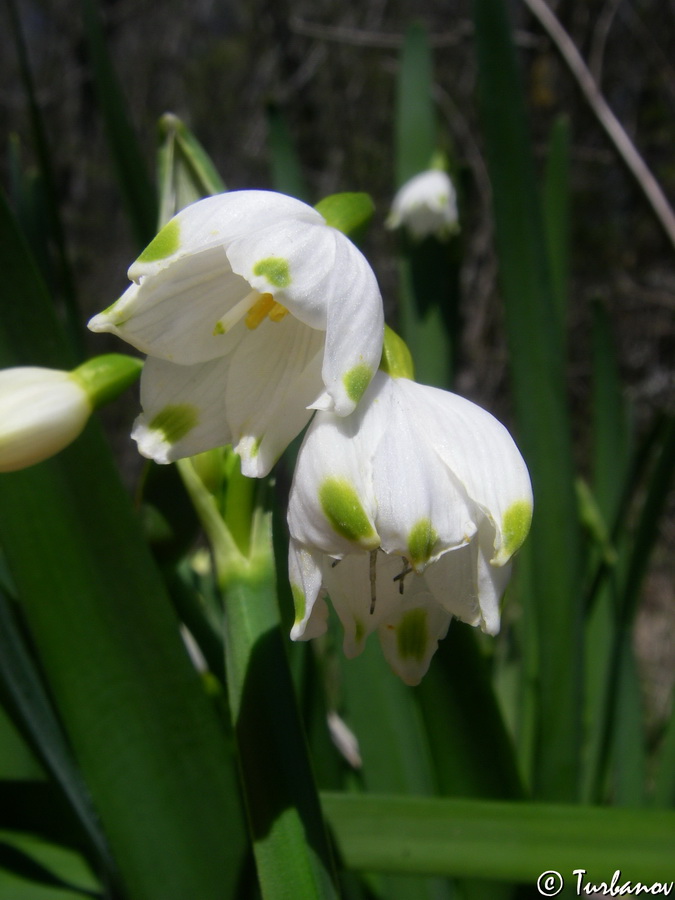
(504, 841)
(146, 740)
(287, 174)
(385, 717)
(537, 368)
(289, 836)
(664, 780)
(136, 186)
(185, 172)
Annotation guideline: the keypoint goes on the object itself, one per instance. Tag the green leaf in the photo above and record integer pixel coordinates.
(185, 172)
(503, 841)
(350, 213)
(287, 174)
(415, 138)
(45, 864)
(136, 186)
(146, 740)
(538, 372)
(285, 822)
(557, 213)
(386, 719)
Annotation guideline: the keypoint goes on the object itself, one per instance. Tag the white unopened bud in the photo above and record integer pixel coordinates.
(44, 410)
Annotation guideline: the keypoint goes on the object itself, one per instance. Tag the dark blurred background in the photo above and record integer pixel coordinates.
(330, 68)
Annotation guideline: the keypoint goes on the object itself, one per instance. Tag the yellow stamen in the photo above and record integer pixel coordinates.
(259, 311)
(277, 312)
(263, 307)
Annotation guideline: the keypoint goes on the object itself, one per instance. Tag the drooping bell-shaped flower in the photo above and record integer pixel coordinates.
(253, 311)
(44, 410)
(406, 513)
(426, 205)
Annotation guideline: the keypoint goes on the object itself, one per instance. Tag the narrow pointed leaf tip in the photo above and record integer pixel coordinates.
(253, 312)
(42, 411)
(405, 514)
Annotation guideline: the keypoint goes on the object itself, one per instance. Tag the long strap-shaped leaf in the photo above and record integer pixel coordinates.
(147, 742)
(502, 841)
(535, 344)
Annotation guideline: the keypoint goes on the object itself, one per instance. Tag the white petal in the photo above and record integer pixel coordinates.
(304, 573)
(329, 453)
(175, 314)
(351, 589)
(452, 582)
(274, 376)
(183, 409)
(354, 328)
(426, 204)
(422, 511)
(483, 456)
(410, 638)
(216, 221)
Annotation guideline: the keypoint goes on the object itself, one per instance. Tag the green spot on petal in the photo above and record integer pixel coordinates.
(342, 507)
(174, 422)
(219, 328)
(164, 244)
(275, 269)
(299, 602)
(357, 380)
(255, 448)
(412, 635)
(421, 541)
(359, 631)
(515, 527)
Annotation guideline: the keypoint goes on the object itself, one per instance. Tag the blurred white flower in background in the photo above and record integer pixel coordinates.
(426, 205)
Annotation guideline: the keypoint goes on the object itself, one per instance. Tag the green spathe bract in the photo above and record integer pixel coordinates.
(341, 506)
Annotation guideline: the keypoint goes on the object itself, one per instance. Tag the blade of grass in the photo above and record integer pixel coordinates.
(504, 841)
(135, 184)
(415, 137)
(537, 367)
(147, 742)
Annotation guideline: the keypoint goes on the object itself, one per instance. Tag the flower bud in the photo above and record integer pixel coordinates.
(44, 410)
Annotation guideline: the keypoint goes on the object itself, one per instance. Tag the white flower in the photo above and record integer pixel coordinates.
(426, 205)
(44, 410)
(405, 513)
(253, 312)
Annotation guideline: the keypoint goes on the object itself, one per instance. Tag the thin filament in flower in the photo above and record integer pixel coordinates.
(407, 569)
(373, 577)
